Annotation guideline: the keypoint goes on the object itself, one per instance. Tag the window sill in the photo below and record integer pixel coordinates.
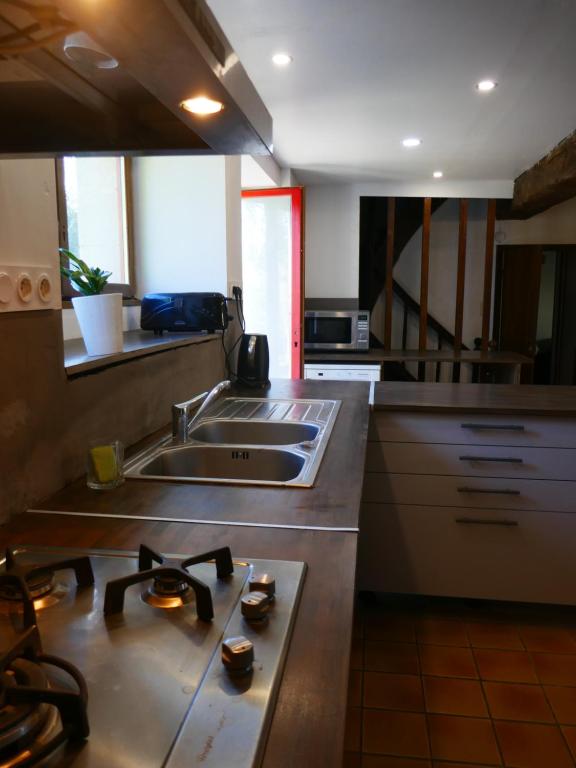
(67, 304)
(136, 344)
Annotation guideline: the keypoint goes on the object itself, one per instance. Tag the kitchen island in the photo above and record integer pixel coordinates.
(315, 525)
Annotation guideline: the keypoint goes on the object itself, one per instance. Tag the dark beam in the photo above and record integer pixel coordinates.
(551, 181)
(488, 270)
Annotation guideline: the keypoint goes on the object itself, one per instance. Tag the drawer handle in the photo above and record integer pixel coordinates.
(476, 521)
(513, 427)
(505, 491)
(505, 459)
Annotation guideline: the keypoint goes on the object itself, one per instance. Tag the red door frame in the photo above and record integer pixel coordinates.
(295, 194)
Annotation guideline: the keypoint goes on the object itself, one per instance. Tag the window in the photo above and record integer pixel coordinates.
(95, 217)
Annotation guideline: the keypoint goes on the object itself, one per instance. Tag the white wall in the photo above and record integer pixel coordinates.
(233, 180)
(332, 225)
(29, 226)
(556, 226)
(180, 223)
(332, 222)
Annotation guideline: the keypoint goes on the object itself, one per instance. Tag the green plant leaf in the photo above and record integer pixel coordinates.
(89, 281)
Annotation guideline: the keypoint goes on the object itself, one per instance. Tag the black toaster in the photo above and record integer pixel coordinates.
(183, 312)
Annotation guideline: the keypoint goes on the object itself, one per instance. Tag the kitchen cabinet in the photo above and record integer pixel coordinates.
(468, 502)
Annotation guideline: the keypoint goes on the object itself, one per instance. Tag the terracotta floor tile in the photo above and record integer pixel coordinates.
(394, 733)
(494, 635)
(505, 666)
(451, 696)
(352, 742)
(463, 738)
(555, 669)
(442, 632)
(399, 629)
(398, 658)
(570, 736)
(384, 761)
(563, 703)
(400, 692)
(517, 701)
(528, 745)
(355, 688)
(357, 653)
(447, 661)
(547, 639)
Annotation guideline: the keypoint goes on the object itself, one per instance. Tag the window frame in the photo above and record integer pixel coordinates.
(128, 290)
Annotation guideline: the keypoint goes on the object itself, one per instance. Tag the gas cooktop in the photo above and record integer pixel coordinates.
(111, 658)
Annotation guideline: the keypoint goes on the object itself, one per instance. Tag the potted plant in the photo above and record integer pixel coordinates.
(99, 314)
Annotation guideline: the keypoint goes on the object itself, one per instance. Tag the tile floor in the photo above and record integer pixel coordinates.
(438, 683)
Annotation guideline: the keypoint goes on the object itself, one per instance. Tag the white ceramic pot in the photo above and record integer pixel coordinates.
(100, 320)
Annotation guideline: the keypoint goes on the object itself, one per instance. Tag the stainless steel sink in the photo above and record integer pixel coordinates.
(250, 441)
(236, 432)
(221, 462)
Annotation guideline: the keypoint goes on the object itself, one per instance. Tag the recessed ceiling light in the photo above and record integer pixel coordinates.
(281, 59)
(202, 105)
(486, 85)
(412, 142)
(437, 174)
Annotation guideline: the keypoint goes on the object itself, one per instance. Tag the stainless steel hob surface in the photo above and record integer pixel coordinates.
(158, 691)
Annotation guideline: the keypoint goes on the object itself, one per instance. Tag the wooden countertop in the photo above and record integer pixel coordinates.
(475, 398)
(333, 502)
(308, 723)
(428, 356)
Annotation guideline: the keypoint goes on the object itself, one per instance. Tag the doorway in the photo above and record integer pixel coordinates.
(535, 309)
(272, 274)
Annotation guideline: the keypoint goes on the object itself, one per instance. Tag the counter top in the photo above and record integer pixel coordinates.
(475, 398)
(308, 723)
(474, 357)
(136, 344)
(333, 502)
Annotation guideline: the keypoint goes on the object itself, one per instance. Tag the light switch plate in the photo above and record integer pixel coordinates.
(26, 288)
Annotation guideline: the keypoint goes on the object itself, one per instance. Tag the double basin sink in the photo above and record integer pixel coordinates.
(250, 441)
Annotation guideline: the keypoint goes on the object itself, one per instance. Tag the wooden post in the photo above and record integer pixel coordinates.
(488, 269)
(424, 271)
(389, 270)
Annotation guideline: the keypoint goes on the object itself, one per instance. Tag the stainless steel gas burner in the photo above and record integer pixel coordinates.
(209, 668)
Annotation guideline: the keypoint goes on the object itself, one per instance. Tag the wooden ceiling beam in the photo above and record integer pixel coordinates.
(550, 181)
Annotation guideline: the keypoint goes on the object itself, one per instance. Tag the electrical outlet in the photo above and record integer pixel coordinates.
(24, 288)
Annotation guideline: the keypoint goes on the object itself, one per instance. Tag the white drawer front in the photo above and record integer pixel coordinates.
(474, 461)
(473, 492)
(424, 550)
(473, 429)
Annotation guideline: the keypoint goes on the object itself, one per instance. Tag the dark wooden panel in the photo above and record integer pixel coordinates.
(389, 272)
(424, 272)
(488, 269)
(549, 182)
(307, 727)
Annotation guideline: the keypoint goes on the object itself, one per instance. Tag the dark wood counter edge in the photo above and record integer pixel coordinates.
(430, 355)
(518, 399)
(308, 723)
(136, 344)
(333, 502)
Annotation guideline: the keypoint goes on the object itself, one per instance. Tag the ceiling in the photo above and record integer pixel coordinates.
(368, 73)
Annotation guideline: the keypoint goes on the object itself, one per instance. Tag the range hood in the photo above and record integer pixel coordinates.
(119, 89)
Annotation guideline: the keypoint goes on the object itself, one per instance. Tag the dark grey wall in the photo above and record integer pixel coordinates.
(47, 420)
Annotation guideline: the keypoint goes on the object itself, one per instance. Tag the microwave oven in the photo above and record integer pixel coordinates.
(337, 329)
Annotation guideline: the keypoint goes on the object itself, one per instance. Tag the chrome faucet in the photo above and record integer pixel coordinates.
(181, 421)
